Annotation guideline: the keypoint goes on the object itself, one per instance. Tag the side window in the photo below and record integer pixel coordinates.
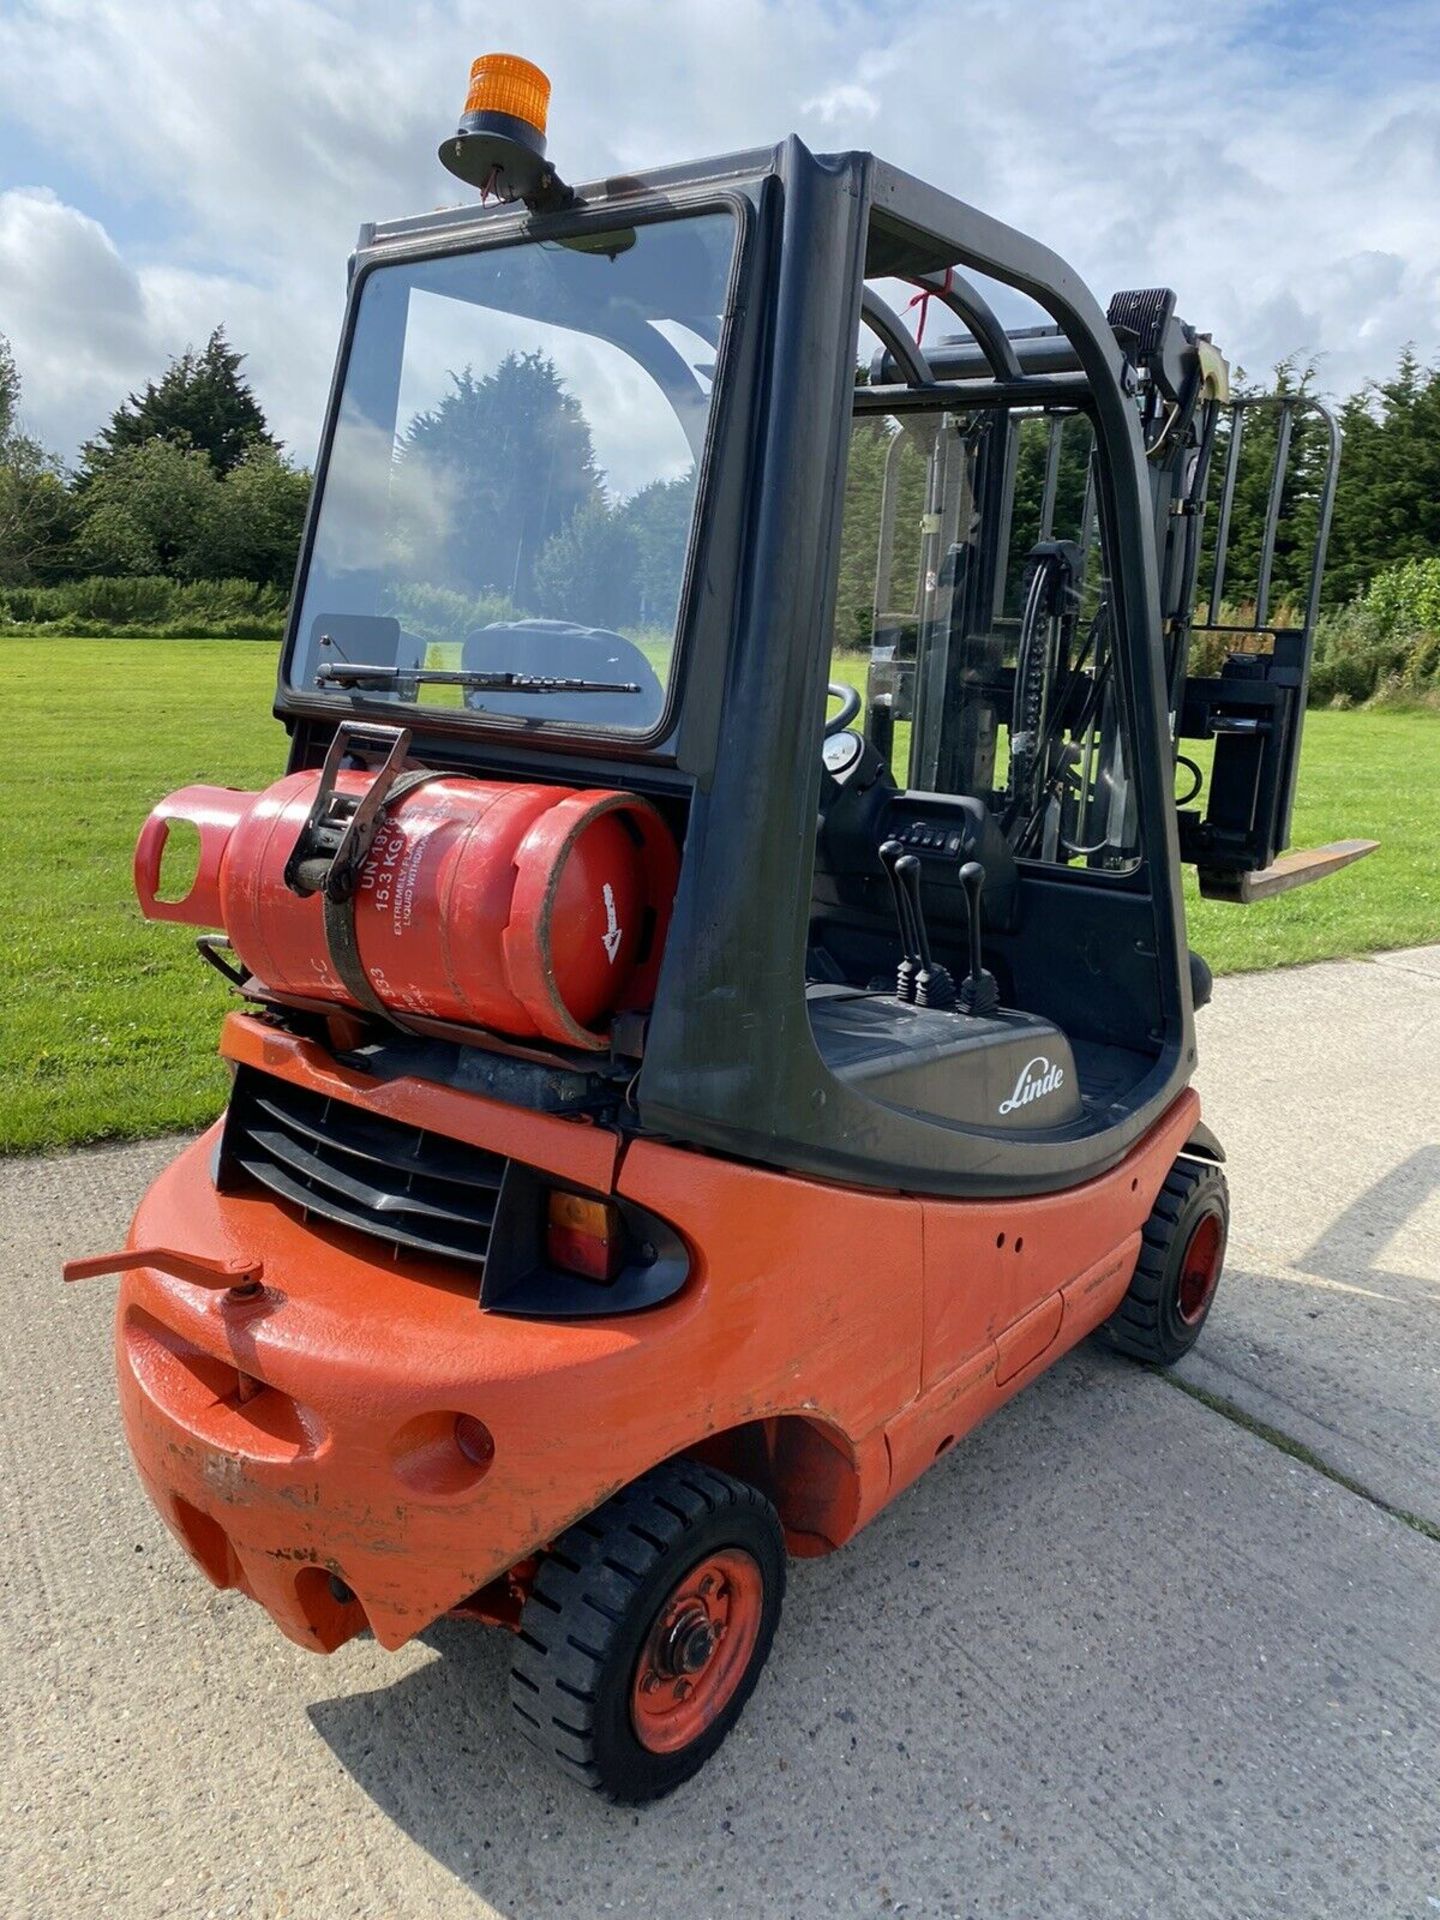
(972, 615)
(879, 591)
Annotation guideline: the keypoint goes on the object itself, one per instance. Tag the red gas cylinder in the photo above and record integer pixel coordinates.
(536, 911)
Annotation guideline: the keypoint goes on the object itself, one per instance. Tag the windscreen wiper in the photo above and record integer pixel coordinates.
(344, 674)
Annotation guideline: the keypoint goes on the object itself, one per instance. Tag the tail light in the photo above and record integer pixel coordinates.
(584, 1236)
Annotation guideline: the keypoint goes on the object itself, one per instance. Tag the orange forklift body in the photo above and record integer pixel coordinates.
(309, 1431)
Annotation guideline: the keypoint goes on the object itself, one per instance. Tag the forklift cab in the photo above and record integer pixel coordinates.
(727, 510)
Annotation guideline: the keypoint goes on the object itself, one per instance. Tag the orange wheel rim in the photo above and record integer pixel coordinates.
(1200, 1269)
(697, 1651)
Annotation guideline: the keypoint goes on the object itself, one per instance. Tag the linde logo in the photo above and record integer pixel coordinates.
(1037, 1078)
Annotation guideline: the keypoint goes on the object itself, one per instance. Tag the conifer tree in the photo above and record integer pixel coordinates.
(1387, 505)
(509, 458)
(201, 402)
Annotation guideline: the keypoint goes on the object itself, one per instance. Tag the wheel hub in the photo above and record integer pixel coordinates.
(697, 1650)
(688, 1642)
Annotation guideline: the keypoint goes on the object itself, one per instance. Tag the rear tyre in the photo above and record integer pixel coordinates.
(646, 1629)
(1181, 1253)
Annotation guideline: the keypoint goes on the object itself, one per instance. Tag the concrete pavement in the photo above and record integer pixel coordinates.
(1324, 1085)
(1117, 1655)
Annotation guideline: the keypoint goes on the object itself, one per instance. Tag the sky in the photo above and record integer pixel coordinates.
(164, 170)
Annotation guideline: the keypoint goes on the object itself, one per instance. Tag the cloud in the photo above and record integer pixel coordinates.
(1281, 173)
(74, 311)
(848, 101)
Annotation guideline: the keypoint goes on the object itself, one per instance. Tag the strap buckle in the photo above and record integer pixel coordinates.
(330, 848)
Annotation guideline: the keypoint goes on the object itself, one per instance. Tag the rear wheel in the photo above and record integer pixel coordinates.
(1181, 1253)
(646, 1629)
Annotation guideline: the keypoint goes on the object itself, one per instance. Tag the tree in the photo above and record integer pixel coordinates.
(1299, 502)
(1032, 455)
(496, 468)
(150, 508)
(201, 402)
(873, 449)
(1387, 504)
(9, 391)
(588, 572)
(36, 510)
(658, 518)
(255, 520)
(37, 514)
(159, 508)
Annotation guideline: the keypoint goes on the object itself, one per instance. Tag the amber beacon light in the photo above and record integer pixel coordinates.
(499, 145)
(504, 83)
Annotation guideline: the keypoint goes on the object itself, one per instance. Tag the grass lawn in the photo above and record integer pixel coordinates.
(1363, 776)
(108, 1023)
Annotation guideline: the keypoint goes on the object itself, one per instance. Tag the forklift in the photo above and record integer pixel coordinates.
(714, 1017)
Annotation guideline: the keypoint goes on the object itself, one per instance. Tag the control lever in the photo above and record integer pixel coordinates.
(978, 992)
(892, 852)
(934, 985)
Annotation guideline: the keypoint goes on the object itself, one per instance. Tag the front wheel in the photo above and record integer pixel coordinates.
(1181, 1252)
(646, 1629)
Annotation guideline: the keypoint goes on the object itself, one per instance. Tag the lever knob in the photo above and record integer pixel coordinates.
(979, 993)
(933, 984)
(892, 852)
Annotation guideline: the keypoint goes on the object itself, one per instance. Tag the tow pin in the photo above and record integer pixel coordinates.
(239, 1279)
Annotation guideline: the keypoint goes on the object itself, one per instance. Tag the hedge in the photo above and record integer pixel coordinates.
(146, 605)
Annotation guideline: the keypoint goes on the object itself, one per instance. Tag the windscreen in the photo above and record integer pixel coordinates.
(508, 502)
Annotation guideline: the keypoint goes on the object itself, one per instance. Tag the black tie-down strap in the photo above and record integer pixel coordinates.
(330, 851)
(344, 951)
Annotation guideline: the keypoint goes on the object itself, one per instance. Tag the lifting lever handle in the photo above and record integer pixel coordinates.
(978, 992)
(934, 985)
(892, 852)
(240, 1278)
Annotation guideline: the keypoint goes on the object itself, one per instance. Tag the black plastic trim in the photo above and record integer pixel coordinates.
(519, 1281)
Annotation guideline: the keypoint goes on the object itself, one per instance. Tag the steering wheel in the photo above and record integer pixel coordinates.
(850, 704)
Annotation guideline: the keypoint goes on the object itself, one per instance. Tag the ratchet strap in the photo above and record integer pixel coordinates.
(329, 854)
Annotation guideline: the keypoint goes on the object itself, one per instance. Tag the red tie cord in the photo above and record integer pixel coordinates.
(923, 298)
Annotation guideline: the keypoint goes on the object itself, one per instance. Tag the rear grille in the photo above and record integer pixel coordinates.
(417, 1192)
